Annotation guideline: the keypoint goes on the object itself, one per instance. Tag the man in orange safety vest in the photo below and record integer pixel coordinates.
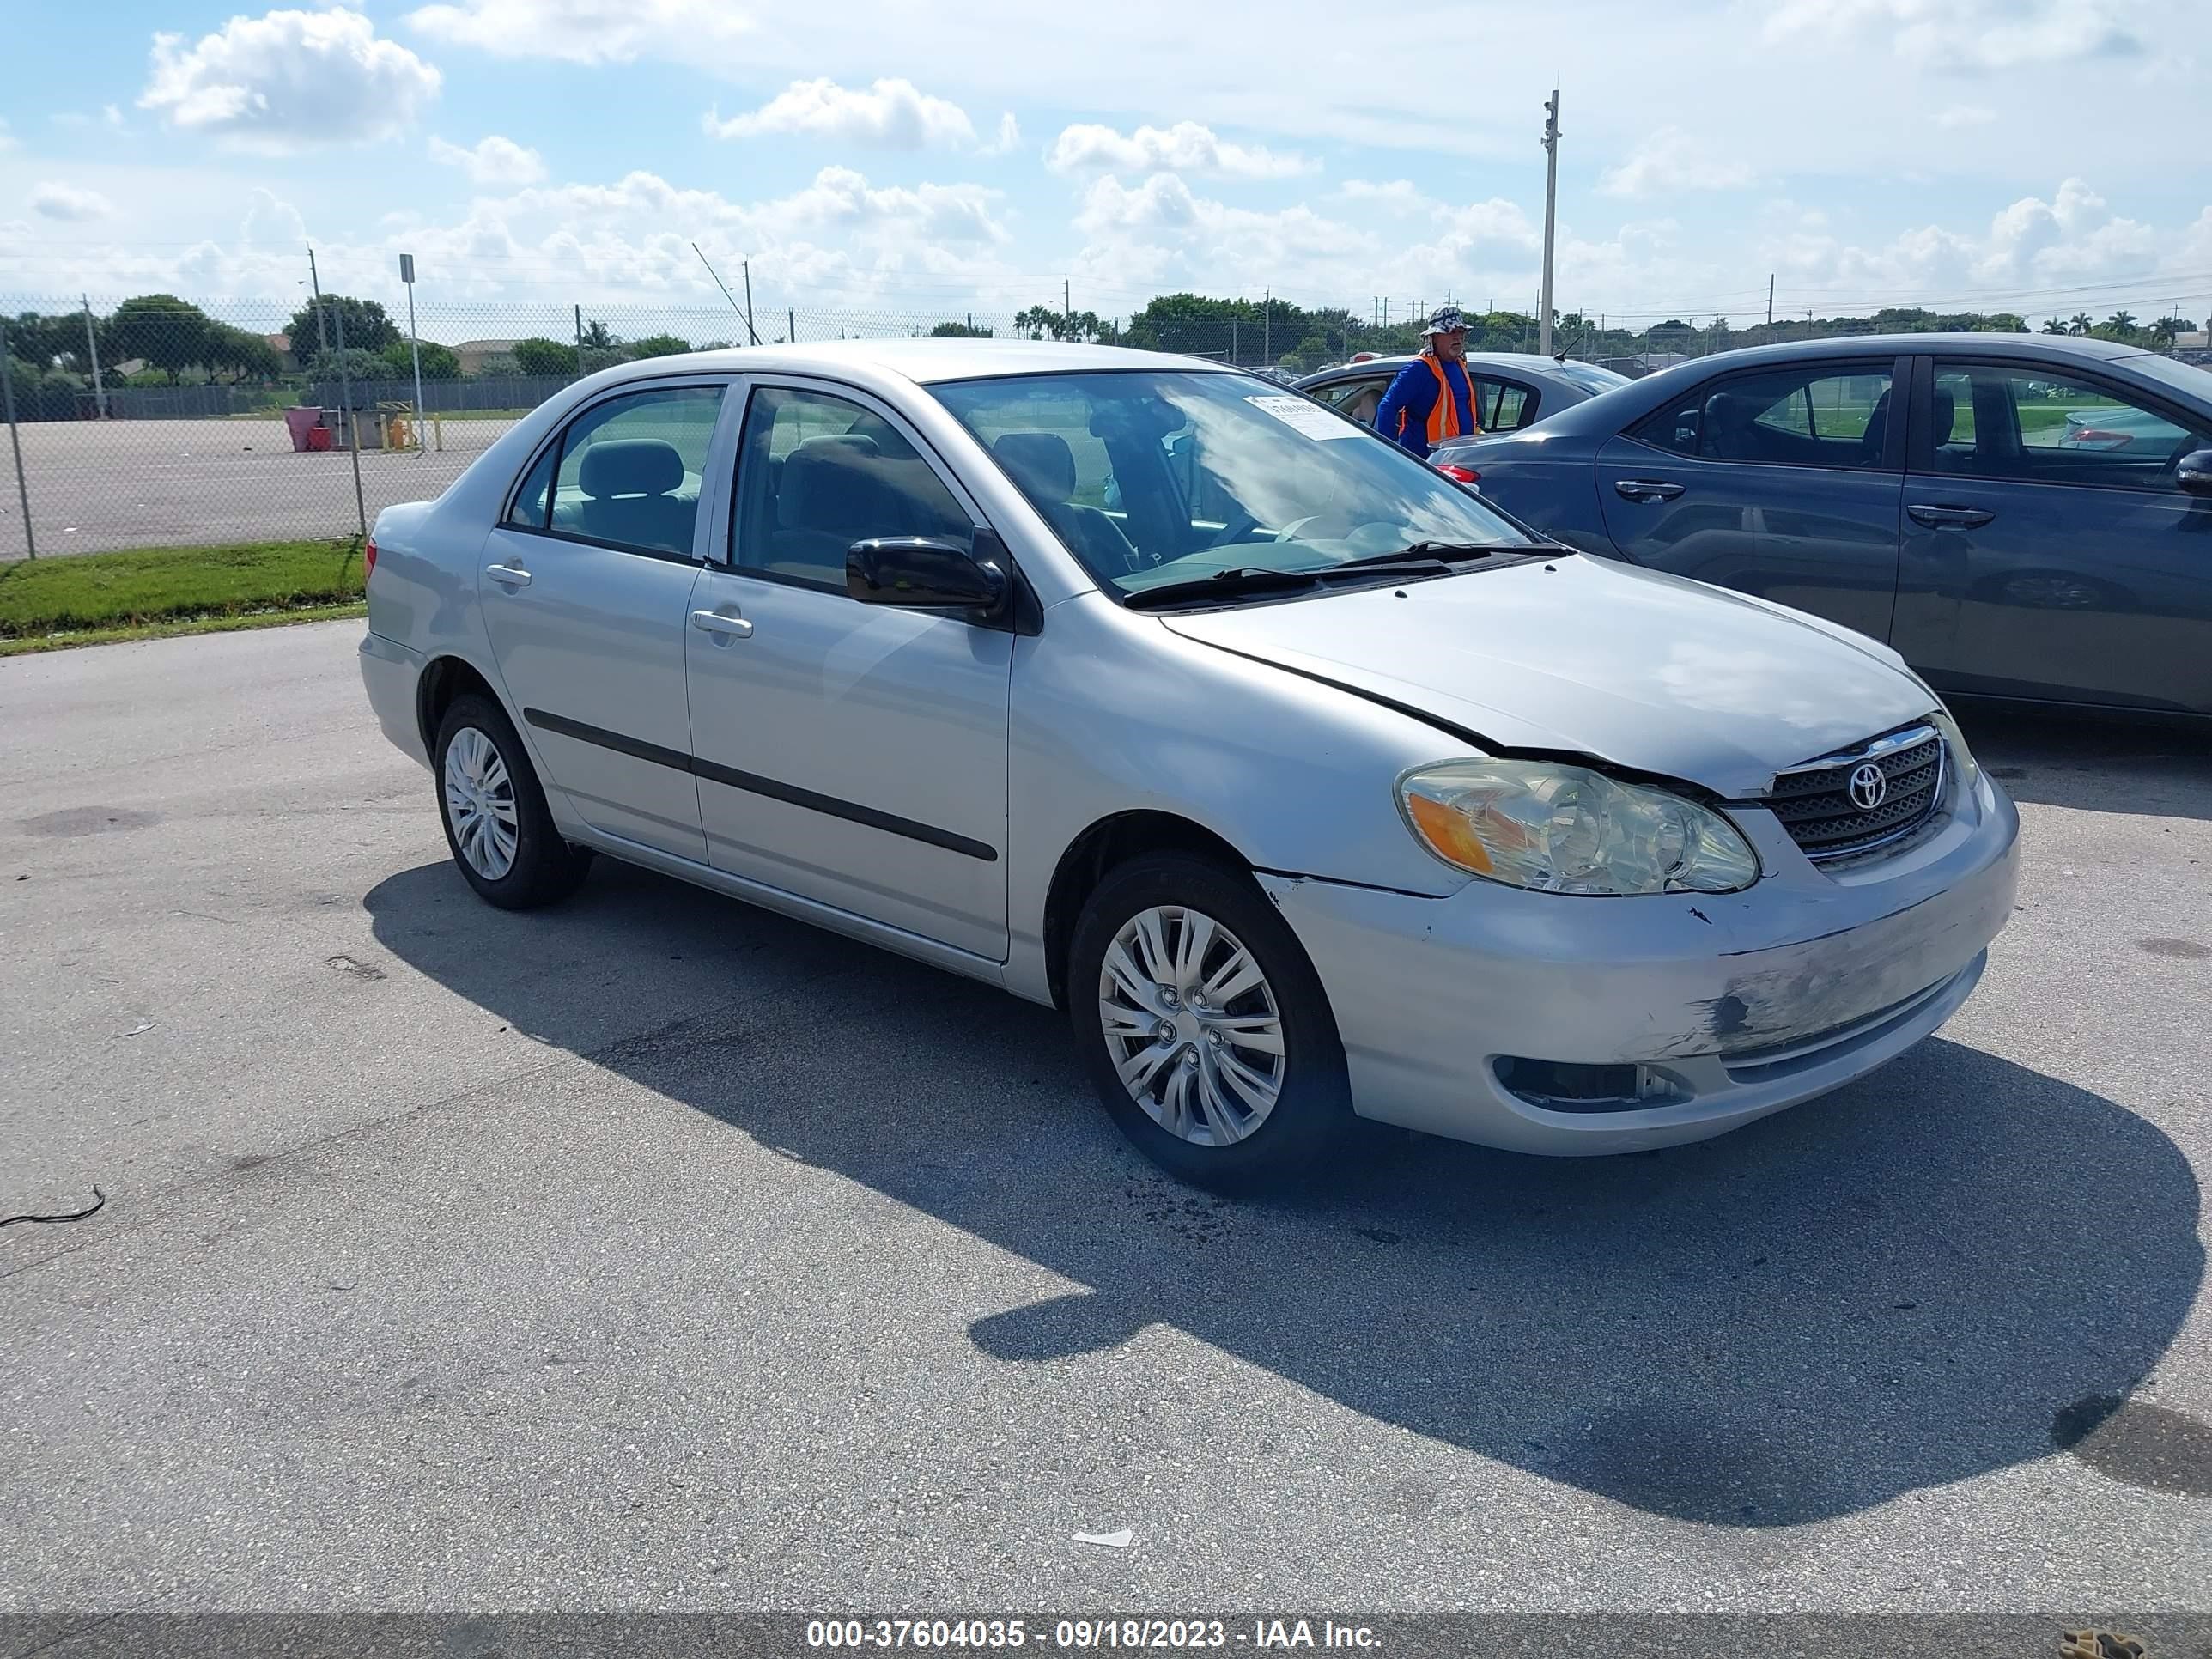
(1433, 398)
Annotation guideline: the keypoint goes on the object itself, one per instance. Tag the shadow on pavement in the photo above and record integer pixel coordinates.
(1901, 1286)
(2093, 763)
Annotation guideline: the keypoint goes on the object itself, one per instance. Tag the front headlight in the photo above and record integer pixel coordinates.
(1963, 764)
(1561, 828)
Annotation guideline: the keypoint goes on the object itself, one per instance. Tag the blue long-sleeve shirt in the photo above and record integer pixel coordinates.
(1406, 407)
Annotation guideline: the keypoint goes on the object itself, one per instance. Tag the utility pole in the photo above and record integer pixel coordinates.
(1551, 214)
(353, 427)
(415, 342)
(791, 324)
(1770, 298)
(1232, 343)
(92, 346)
(1266, 329)
(8, 408)
(1067, 306)
(747, 313)
(579, 342)
(315, 281)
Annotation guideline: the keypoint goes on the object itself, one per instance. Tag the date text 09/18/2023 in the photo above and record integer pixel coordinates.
(1086, 1634)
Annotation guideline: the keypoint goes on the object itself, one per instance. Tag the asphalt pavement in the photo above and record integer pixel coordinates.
(655, 1251)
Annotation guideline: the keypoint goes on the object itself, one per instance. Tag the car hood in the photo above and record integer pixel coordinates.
(1583, 656)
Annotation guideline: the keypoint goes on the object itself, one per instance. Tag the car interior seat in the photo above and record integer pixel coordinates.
(629, 486)
(1943, 416)
(1876, 439)
(1730, 426)
(1044, 466)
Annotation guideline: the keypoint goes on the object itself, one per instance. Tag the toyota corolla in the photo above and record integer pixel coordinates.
(1307, 784)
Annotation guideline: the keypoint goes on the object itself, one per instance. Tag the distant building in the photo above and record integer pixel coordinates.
(475, 353)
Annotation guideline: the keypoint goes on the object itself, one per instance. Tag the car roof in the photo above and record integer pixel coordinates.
(925, 361)
(1992, 344)
(1533, 362)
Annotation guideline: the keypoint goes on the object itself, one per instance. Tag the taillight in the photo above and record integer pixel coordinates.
(368, 559)
(1462, 474)
(2091, 437)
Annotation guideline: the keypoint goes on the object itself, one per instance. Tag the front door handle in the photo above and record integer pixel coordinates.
(714, 622)
(508, 575)
(1939, 516)
(1646, 490)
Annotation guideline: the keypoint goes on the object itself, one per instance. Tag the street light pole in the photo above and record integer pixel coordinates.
(415, 341)
(92, 346)
(1550, 212)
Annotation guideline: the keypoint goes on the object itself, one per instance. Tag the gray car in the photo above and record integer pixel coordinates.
(1309, 786)
(2021, 516)
(1512, 389)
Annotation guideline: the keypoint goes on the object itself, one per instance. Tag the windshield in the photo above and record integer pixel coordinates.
(2190, 380)
(1590, 378)
(1151, 479)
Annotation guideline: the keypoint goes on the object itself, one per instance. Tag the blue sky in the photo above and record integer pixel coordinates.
(894, 161)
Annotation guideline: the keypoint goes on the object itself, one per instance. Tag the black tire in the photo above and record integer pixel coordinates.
(1313, 1111)
(546, 869)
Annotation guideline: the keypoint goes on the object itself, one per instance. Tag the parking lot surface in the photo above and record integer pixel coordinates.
(655, 1251)
(98, 485)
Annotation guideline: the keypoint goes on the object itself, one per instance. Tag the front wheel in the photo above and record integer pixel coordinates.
(1205, 1030)
(496, 821)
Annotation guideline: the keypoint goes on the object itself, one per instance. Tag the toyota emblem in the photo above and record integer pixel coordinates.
(1870, 787)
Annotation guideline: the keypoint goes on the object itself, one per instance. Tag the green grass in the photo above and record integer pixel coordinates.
(93, 598)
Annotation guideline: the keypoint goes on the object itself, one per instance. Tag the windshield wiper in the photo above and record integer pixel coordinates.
(1434, 550)
(1223, 584)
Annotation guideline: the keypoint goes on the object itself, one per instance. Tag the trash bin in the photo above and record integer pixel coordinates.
(318, 438)
(298, 422)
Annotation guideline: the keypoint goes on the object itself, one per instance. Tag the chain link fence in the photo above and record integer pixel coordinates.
(155, 421)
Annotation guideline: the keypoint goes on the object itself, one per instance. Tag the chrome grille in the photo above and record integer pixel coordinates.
(1816, 804)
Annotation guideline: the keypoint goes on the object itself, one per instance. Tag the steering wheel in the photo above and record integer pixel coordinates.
(1245, 524)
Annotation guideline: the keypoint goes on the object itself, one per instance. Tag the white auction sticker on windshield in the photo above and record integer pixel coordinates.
(1309, 418)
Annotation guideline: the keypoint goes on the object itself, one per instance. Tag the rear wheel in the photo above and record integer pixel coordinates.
(1205, 1028)
(496, 822)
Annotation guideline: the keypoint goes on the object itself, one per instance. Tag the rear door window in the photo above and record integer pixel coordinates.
(1808, 415)
(1502, 405)
(629, 469)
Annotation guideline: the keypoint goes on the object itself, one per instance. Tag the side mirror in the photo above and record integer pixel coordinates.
(2195, 477)
(926, 573)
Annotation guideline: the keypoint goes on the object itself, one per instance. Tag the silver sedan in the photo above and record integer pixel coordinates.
(1308, 785)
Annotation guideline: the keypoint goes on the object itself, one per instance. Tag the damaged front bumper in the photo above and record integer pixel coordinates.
(1485, 1016)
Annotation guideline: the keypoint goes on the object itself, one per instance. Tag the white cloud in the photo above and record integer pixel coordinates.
(1972, 35)
(1400, 195)
(1009, 137)
(55, 200)
(112, 116)
(6, 138)
(589, 30)
(1964, 115)
(493, 161)
(1669, 160)
(289, 81)
(893, 114)
(1186, 146)
(2032, 251)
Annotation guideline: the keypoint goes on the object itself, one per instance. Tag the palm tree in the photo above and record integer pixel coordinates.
(2122, 323)
(2052, 326)
(2080, 323)
(2164, 330)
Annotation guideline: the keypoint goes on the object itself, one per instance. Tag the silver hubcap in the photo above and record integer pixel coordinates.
(1192, 1025)
(480, 803)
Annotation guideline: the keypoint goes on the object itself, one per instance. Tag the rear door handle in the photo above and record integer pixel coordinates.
(714, 622)
(1937, 517)
(1646, 490)
(509, 576)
